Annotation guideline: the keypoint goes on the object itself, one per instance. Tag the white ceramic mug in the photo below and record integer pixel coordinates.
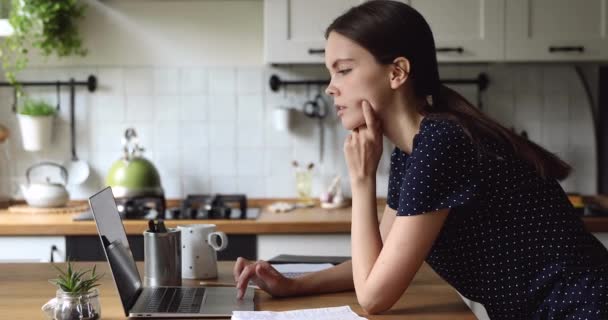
(199, 250)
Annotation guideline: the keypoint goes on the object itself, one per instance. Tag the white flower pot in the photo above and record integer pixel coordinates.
(36, 131)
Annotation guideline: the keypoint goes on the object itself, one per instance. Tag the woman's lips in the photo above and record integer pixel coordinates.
(340, 110)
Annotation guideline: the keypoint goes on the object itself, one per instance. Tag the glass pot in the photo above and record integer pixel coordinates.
(66, 306)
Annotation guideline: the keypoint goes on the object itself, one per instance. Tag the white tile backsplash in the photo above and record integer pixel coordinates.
(139, 81)
(167, 108)
(194, 108)
(140, 108)
(222, 81)
(250, 81)
(193, 81)
(222, 162)
(209, 129)
(222, 134)
(250, 162)
(222, 108)
(166, 81)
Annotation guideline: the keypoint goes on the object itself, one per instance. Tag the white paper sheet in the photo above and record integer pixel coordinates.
(334, 313)
(295, 269)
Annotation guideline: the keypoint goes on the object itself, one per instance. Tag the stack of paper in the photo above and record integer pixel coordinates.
(335, 313)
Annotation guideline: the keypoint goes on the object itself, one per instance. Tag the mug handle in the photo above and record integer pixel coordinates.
(213, 240)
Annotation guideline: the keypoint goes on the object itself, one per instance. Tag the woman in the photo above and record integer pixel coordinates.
(480, 204)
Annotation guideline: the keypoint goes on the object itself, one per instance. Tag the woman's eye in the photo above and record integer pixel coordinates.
(344, 71)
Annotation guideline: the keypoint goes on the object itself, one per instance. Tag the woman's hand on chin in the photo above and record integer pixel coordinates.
(363, 147)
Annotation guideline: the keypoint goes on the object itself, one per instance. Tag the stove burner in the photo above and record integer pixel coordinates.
(142, 207)
(216, 206)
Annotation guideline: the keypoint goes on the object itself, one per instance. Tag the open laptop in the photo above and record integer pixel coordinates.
(160, 302)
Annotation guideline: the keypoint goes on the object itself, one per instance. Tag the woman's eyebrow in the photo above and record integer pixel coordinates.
(333, 65)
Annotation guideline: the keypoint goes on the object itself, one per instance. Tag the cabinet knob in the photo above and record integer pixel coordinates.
(459, 50)
(316, 51)
(553, 49)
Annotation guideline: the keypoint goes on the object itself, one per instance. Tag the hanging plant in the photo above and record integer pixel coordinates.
(47, 25)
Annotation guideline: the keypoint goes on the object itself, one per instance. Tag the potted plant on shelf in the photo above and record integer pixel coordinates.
(47, 25)
(36, 124)
(77, 296)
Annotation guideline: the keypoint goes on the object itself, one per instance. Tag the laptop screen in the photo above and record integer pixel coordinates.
(116, 247)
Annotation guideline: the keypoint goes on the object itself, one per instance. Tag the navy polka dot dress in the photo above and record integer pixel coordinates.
(511, 240)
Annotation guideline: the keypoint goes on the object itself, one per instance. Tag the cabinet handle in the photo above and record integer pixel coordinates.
(553, 49)
(316, 51)
(53, 249)
(460, 50)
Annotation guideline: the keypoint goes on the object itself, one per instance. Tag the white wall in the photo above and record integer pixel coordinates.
(192, 82)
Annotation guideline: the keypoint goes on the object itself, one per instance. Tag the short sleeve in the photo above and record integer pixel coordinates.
(441, 172)
(395, 177)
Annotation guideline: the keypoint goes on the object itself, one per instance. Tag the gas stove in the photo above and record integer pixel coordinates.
(218, 206)
(193, 207)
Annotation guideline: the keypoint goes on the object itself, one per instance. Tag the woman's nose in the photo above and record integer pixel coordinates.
(330, 90)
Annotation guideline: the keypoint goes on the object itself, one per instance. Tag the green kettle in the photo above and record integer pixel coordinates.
(133, 175)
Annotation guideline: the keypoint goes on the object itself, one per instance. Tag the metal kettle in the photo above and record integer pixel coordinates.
(133, 175)
(46, 194)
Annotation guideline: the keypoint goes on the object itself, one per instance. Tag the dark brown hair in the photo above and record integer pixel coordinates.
(391, 29)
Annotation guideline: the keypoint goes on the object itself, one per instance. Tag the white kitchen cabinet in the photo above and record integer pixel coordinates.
(472, 31)
(303, 244)
(465, 30)
(31, 249)
(556, 30)
(294, 29)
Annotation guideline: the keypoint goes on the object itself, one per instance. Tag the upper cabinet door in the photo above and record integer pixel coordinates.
(294, 29)
(465, 30)
(556, 30)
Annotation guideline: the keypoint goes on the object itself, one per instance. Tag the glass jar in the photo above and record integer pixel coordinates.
(304, 185)
(66, 306)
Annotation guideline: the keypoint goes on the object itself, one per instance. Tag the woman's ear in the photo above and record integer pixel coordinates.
(400, 71)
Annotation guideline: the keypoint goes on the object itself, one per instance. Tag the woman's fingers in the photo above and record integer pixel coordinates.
(244, 277)
(240, 264)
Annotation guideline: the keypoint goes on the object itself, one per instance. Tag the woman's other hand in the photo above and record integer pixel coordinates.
(363, 147)
(262, 274)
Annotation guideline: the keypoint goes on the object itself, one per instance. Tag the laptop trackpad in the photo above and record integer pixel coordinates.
(222, 301)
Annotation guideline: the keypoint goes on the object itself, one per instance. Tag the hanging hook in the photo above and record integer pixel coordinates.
(58, 96)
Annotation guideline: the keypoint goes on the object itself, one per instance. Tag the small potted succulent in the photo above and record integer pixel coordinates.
(36, 124)
(77, 296)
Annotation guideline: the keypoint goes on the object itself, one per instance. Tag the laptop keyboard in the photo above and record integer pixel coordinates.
(173, 300)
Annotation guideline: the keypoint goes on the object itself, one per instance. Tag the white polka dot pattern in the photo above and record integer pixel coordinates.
(511, 240)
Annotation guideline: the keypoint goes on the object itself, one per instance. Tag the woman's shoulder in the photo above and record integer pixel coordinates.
(439, 131)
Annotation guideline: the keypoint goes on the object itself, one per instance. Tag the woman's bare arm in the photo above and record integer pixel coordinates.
(340, 277)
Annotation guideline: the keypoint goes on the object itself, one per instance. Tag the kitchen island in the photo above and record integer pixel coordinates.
(26, 289)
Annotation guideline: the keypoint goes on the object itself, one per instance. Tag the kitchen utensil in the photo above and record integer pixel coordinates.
(133, 175)
(46, 194)
(317, 109)
(78, 169)
(199, 247)
(162, 258)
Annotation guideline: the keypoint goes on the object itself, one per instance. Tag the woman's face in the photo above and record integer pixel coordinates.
(355, 76)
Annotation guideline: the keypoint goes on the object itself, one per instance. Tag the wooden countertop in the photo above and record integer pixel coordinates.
(25, 288)
(311, 220)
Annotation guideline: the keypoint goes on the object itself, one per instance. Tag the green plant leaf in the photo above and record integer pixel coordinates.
(49, 26)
